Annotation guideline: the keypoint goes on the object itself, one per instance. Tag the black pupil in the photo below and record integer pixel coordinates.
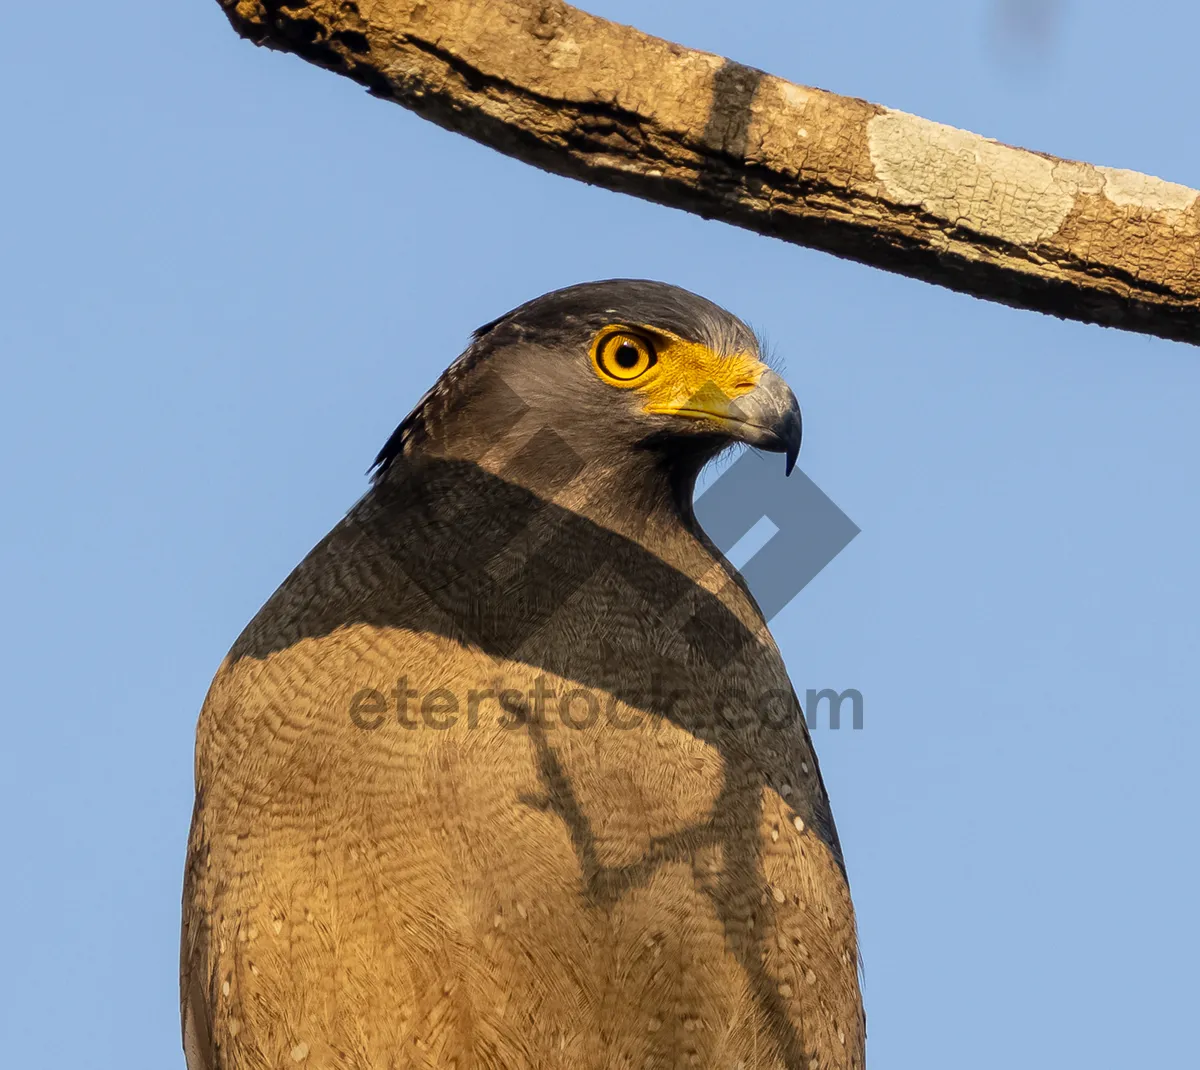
(628, 356)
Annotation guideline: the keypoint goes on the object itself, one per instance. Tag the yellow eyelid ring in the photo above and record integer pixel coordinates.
(623, 355)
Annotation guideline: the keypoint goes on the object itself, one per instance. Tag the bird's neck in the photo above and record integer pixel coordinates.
(636, 495)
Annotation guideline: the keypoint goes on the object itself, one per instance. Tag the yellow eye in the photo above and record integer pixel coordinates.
(623, 356)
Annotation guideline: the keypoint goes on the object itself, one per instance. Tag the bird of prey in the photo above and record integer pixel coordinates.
(508, 773)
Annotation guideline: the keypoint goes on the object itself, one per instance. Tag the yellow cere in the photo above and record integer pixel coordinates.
(676, 377)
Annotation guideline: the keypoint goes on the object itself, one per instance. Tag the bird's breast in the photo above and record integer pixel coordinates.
(474, 853)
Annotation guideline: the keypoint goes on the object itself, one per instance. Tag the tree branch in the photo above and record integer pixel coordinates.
(605, 103)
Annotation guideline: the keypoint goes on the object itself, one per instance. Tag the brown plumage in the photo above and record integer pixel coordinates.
(508, 773)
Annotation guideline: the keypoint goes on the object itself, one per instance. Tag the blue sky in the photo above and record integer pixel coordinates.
(226, 275)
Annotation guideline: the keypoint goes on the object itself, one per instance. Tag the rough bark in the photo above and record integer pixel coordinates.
(598, 101)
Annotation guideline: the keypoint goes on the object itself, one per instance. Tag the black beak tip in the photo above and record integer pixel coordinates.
(792, 433)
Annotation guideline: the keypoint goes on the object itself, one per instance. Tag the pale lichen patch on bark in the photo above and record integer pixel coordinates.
(966, 180)
(1131, 189)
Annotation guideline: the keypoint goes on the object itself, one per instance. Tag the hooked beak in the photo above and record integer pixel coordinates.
(767, 416)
